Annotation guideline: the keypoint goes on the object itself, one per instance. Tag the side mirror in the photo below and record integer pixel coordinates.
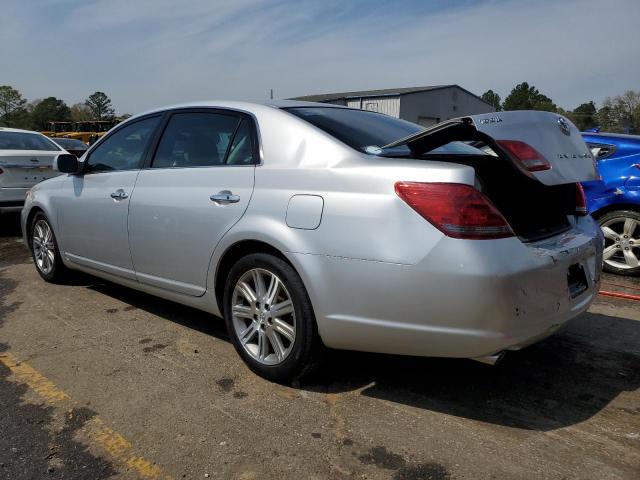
(67, 163)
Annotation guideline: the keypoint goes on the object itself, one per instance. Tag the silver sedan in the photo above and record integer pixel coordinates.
(309, 226)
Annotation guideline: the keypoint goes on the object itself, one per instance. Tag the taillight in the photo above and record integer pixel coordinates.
(457, 210)
(581, 202)
(529, 157)
(1, 171)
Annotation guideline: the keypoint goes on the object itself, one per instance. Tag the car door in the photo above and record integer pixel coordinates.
(196, 188)
(94, 205)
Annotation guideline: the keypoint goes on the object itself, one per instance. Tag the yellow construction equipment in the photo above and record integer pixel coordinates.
(88, 131)
(58, 129)
(91, 130)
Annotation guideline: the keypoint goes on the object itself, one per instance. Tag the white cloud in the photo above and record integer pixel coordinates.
(149, 53)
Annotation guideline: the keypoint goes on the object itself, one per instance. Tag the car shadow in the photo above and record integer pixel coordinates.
(10, 224)
(559, 382)
(12, 250)
(186, 316)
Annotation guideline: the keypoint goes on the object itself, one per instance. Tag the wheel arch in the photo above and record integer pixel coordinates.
(235, 252)
(614, 207)
(28, 225)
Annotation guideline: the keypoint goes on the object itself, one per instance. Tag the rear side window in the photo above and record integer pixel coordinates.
(241, 151)
(124, 149)
(26, 141)
(196, 140)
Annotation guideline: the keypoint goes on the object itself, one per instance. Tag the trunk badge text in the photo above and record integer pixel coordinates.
(485, 121)
(574, 155)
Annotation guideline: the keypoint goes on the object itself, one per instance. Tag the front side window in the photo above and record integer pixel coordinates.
(26, 141)
(196, 140)
(124, 149)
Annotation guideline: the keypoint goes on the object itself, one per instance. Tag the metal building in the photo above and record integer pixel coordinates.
(423, 105)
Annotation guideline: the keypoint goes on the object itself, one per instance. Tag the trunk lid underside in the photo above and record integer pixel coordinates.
(537, 204)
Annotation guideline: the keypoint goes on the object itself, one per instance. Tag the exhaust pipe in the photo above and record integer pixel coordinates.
(491, 359)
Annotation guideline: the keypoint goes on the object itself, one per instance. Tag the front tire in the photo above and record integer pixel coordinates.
(621, 229)
(270, 319)
(45, 252)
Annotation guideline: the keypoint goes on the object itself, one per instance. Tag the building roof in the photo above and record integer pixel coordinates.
(327, 97)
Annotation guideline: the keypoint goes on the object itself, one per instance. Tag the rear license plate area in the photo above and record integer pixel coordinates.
(577, 279)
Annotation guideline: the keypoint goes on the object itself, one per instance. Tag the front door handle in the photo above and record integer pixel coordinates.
(119, 194)
(224, 197)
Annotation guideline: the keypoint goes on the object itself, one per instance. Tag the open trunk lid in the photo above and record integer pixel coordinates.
(553, 136)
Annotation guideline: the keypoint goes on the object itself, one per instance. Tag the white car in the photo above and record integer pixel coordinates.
(26, 158)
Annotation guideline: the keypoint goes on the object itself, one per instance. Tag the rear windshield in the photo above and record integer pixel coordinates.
(26, 141)
(363, 130)
(71, 143)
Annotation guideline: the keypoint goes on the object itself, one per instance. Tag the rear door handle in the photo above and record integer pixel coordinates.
(224, 197)
(119, 194)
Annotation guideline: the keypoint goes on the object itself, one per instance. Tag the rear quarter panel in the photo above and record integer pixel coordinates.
(362, 217)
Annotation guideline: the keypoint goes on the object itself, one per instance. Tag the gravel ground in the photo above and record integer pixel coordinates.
(98, 381)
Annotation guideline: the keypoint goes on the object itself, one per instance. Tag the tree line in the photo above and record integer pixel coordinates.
(619, 114)
(616, 114)
(17, 112)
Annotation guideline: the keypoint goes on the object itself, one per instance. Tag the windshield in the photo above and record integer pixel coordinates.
(364, 130)
(26, 141)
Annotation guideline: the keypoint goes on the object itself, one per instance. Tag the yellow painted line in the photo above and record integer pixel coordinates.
(114, 444)
(119, 448)
(36, 381)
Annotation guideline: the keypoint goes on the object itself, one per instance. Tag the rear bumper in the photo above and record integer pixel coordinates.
(464, 299)
(12, 199)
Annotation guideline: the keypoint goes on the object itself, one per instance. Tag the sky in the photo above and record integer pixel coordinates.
(149, 53)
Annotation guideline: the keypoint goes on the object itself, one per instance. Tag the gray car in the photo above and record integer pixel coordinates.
(309, 225)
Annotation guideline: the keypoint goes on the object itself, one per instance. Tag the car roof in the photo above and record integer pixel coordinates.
(237, 105)
(18, 130)
(299, 103)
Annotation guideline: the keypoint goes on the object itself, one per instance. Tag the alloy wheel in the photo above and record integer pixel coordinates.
(43, 247)
(263, 316)
(622, 242)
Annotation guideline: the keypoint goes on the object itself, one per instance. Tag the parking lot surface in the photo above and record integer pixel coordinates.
(98, 381)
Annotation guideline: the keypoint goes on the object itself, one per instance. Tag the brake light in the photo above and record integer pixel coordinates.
(457, 210)
(581, 202)
(529, 157)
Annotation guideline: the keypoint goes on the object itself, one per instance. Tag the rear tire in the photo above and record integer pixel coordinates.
(270, 319)
(621, 229)
(45, 252)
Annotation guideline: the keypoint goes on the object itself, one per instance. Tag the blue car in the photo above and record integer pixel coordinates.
(614, 201)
